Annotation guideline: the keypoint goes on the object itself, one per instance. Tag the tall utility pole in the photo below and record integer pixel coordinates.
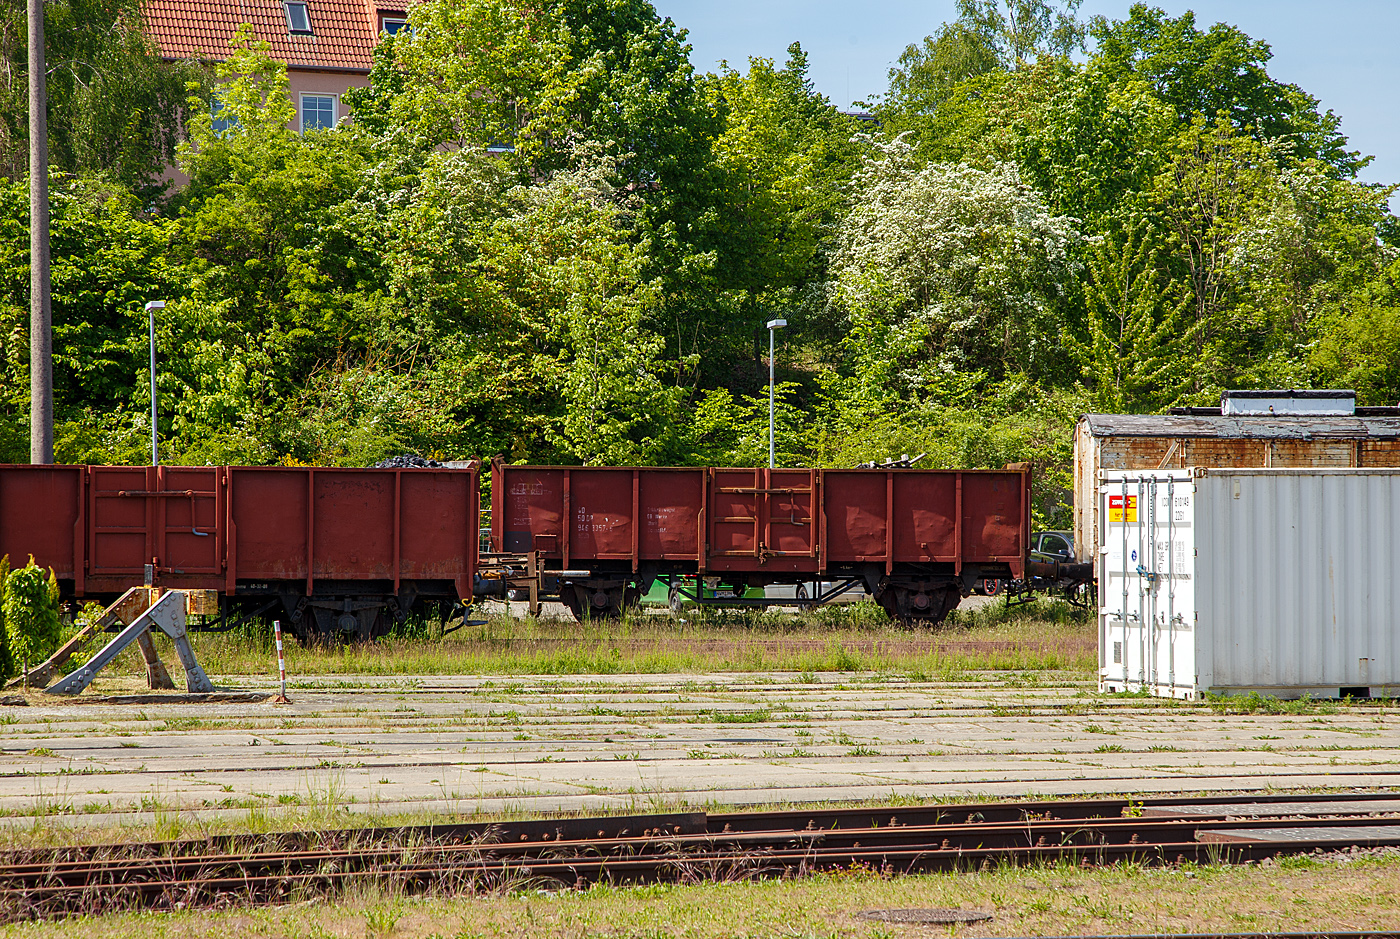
(40, 309)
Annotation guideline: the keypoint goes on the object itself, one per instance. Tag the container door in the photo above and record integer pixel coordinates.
(1145, 584)
(762, 514)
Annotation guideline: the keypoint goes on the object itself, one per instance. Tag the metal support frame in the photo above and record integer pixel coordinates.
(821, 599)
(168, 613)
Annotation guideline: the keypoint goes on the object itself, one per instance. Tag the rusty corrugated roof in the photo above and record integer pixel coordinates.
(343, 32)
(1263, 428)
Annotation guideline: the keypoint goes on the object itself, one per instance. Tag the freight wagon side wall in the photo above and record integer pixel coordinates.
(761, 521)
(939, 516)
(582, 514)
(41, 513)
(1298, 588)
(309, 524)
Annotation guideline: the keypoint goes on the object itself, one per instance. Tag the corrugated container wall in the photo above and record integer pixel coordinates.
(1228, 581)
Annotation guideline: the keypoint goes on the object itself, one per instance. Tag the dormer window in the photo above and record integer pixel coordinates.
(391, 23)
(298, 19)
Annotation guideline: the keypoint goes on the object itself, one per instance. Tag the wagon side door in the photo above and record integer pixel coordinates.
(168, 517)
(761, 514)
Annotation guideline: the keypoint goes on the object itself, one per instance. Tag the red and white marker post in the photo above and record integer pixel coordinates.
(281, 665)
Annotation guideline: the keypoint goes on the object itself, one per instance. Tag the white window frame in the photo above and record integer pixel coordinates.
(301, 110)
(305, 11)
(384, 22)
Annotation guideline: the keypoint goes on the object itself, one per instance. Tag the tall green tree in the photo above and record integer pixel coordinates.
(976, 75)
(1095, 144)
(1220, 71)
(1138, 353)
(1357, 341)
(532, 81)
(274, 287)
(115, 105)
(785, 157)
(968, 266)
(1022, 30)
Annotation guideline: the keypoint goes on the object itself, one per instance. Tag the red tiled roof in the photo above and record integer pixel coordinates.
(343, 32)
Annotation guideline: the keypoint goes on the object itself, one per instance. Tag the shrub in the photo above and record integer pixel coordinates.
(7, 660)
(31, 613)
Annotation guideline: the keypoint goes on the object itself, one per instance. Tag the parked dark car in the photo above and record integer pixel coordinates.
(1052, 546)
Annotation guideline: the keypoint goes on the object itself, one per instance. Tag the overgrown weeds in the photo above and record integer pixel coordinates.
(846, 638)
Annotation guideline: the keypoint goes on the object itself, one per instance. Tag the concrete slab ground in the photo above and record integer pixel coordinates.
(461, 745)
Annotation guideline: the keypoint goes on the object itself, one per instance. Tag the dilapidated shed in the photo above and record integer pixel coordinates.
(1250, 429)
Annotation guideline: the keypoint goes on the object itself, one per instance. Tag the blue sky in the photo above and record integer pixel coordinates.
(1342, 52)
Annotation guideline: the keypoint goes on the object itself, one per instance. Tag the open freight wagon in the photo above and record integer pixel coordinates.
(916, 540)
(330, 551)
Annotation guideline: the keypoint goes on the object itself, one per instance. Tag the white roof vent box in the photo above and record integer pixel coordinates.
(1288, 402)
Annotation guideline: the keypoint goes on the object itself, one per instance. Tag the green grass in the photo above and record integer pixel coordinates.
(1301, 895)
(851, 638)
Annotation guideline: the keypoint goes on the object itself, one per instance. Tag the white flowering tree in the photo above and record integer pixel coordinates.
(946, 269)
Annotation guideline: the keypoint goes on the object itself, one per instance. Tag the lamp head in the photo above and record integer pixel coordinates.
(154, 305)
(776, 324)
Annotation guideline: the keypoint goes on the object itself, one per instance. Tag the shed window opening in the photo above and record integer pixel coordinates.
(317, 112)
(298, 19)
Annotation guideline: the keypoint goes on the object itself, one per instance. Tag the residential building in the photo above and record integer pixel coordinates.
(327, 44)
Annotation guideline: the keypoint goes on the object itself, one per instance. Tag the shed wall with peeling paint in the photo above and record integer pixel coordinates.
(1105, 442)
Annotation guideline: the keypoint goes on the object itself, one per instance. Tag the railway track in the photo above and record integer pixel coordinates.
(686, 847)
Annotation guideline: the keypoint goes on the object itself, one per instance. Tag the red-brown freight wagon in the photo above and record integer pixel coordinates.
(330, 550)
(917, 540)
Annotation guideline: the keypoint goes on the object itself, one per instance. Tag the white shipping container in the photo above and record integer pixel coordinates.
(1281, 581)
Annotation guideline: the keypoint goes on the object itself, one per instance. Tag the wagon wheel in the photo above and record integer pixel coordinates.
(604, 603)
(889, 599)
(919, 607)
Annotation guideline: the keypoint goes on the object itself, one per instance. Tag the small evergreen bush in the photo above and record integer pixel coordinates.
(30, 610)
(7, 660)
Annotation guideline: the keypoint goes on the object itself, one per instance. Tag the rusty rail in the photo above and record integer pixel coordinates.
(686, 847)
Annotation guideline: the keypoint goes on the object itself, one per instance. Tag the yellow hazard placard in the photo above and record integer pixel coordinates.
(1115, 509)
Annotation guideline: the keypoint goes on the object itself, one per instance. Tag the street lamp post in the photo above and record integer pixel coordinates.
(151, 308)
(773, 326)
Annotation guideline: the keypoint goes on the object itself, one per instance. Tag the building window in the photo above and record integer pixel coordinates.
(298, 19)
(224, 119)
(391, 23)
(317, 112)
